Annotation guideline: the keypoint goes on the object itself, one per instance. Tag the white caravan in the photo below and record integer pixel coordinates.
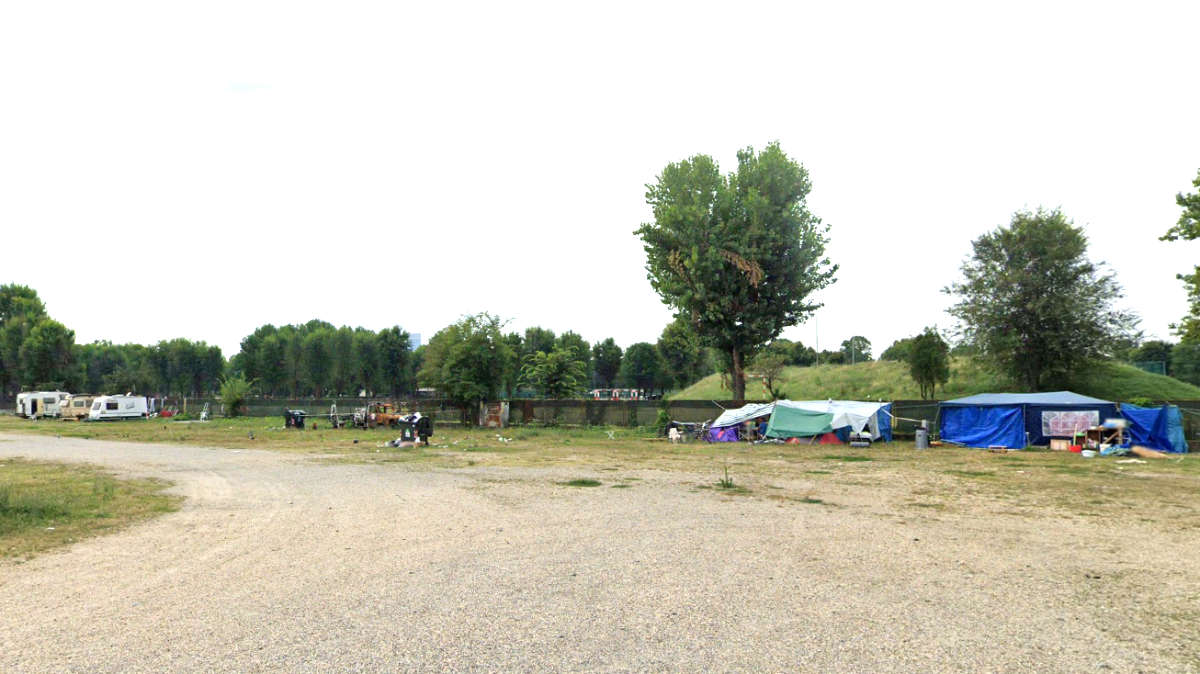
(40, 403)
(118, 407)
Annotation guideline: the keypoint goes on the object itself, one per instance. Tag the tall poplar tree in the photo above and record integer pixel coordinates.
(737, 256)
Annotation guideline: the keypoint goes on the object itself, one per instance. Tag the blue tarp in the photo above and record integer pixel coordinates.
(1151, 427)
(1036, 413)
(984, 426)
(885, 422)
(1175, 430)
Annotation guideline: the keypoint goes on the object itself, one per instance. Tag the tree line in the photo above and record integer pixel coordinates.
(38, 352)
(736, 256)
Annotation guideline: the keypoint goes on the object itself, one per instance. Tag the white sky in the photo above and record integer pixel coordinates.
(199, 169)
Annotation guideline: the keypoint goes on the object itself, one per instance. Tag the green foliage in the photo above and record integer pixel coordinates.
(469, 361)
(20, 310)
(684, 358)
(395, 361)
(642, 367)
(1185, 362)
(580, 348)
(606, 358)
(736, 256)
(929, 362)
(234, 391)
(857, 349)
(1188, 226)
(832, 358)
(537, 339)
(317, 358)
(1155, 351)
(769, 365)
(556, 375)
(1032, 303)
(802, 355)
(890, 380)
(899, 350)
(1188, 229)
(47, 354)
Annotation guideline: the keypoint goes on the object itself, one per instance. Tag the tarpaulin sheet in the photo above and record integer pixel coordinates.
(791, 422)
(984, 426)
(1151, 427)
(743, 414)
(726, 434)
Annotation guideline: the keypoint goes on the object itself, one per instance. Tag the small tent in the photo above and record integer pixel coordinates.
(1158, 428)
(1015, 420)
(808, 418)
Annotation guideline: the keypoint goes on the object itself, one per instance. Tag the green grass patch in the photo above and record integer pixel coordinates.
(810, 499)
(621, 486)
(972, 473)
(45, 505)
(581, 482)
(890, 380)
(849, 458)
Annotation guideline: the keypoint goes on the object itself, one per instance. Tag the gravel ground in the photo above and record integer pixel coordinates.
(278, 563)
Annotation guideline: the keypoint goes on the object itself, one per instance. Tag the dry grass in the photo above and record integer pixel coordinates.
(45, 505)
(934, 481)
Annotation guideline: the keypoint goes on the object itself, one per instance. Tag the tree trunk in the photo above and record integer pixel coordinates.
(737, 377)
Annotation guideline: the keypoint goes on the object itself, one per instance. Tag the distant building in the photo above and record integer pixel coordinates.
(414, 340)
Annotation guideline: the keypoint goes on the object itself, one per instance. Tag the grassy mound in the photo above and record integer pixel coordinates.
(890, 380)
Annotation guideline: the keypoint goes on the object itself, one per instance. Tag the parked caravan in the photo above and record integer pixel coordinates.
(40, 403)
(118, 407)
(77, 406)
(21, 397)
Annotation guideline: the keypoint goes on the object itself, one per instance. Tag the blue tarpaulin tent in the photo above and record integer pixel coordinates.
(1158, 428)
(1014, 420)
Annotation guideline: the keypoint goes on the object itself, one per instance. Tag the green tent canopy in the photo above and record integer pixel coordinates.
(791, 422)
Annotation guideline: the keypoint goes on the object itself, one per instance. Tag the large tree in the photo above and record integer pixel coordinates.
(468, 361)
(1033, 305)
(557, 375)
(642, 367)
(20, 310)
(929, 361)
(606, 357)
(47, 355)
(1188, 229)
(737, 256)
(684, 358)
(857, 349)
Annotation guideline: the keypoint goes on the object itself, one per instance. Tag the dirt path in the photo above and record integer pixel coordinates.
(276, 563)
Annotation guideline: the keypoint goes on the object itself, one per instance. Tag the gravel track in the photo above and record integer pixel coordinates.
(278, 563)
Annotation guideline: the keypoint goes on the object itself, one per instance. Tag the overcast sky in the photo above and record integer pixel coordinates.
(199, 169)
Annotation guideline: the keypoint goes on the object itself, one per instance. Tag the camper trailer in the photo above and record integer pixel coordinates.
(77, 406)
(40, 403)
(118, 407)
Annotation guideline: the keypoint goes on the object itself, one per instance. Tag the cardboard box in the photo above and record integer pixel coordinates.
(1060, 444)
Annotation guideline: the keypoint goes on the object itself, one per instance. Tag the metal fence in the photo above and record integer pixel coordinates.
(907, 414)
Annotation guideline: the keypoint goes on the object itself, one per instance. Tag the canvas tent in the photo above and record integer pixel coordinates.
(1014, 420)
(1158, 428)
(808, 418)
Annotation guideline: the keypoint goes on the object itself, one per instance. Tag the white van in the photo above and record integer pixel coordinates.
(77, 406)
(118, 407)
(40, 403)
